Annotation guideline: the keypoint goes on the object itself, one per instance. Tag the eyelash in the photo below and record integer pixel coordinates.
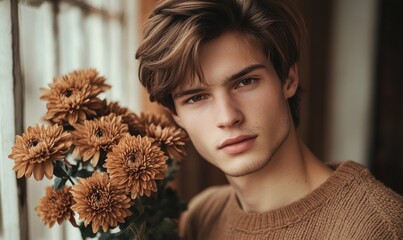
(191, 100)
(193, 97)
(250, 79)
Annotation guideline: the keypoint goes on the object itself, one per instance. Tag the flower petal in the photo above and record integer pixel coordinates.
(48, 168)
(38, 172)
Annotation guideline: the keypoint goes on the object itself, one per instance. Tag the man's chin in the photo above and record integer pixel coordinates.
(242, 171)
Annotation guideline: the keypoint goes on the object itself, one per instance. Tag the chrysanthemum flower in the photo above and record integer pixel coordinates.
(170, 138)
(128, 117)
(146, 119)
(99, 202)
(56, 206)
(73, 97)
(135, 163)
(94, 136)
(37, 148)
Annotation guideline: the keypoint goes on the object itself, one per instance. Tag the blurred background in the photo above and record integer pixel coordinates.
(351, 72)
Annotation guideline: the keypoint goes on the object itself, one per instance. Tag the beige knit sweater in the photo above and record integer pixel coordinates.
(351, 204)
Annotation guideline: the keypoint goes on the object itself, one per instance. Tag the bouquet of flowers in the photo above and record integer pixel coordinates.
(112, 167)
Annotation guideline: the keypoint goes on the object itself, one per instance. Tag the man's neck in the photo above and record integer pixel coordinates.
(291, 175)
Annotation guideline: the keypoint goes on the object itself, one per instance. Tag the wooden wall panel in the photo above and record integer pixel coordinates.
(387, 153)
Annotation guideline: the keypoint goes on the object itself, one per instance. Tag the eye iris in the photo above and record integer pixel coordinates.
(247, 81)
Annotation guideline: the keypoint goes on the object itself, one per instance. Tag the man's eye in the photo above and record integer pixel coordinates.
(245, 82)
(196, 98)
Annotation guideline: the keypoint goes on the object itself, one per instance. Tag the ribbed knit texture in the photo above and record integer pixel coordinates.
(351, 204)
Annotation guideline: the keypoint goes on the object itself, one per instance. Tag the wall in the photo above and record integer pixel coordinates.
(352, 70)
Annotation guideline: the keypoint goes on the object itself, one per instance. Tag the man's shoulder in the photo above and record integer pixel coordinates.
(358, 180)
(384, 201)
(375, 192)
(213, 197)
(365, 203)
(206, 208)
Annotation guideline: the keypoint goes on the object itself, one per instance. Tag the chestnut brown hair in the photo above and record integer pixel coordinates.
(176, 30)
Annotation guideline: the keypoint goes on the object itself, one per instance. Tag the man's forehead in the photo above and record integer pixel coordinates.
(191, 83)
(191, 80)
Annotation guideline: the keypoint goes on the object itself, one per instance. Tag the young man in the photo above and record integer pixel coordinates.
(227, 69)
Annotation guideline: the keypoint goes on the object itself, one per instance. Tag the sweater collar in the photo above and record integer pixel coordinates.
(344, 173)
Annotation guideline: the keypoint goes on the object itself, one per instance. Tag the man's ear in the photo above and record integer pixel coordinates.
(291, 83)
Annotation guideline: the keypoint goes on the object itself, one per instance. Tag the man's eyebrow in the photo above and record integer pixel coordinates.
(245, 71)
(234, 76)
(187, 92)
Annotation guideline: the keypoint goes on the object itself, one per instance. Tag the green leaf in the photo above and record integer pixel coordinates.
(83, 173)
(59, 183)
(129, 219)
(73, 170)
(122, 235)
(106, 236)
(86, 231)
(59, 169)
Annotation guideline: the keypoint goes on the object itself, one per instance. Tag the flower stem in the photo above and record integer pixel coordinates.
(142, 234)
(69, 178)
(133, 228)
(65, 174)
(140, 206)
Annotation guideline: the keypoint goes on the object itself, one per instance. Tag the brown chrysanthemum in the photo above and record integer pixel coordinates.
(146, 119)
(73, 97)
(135, 163)
(56, 206)
(37, 148)
(128, 117)
(170, 138)
(94, 136)
(99, 202)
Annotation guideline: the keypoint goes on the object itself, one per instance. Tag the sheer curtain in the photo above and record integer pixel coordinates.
(9, 220)
(58, 37)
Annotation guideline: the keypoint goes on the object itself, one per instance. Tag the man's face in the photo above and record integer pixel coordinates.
(240, 117)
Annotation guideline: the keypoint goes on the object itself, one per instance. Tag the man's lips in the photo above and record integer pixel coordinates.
(237, 144)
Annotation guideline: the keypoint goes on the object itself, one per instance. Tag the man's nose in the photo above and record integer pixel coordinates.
(228, 112)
